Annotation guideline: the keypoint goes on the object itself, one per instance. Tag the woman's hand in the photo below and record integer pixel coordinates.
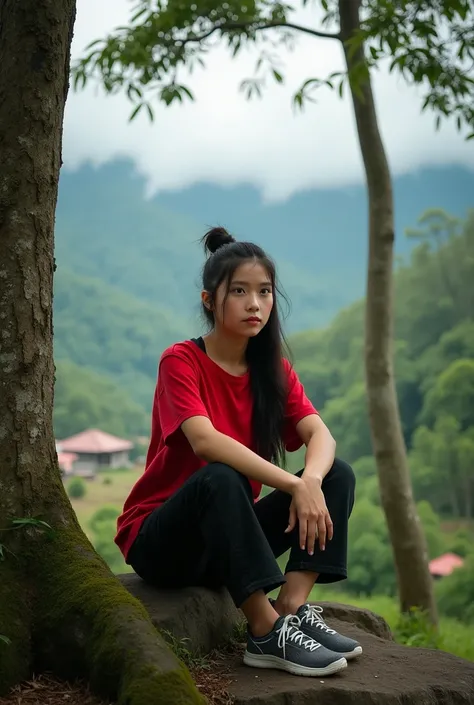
(308, 508)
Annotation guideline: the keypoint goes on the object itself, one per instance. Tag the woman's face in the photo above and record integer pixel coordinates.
(246, 308)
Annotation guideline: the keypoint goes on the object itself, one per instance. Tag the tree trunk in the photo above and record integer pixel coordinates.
(407, 538)
(60, 606)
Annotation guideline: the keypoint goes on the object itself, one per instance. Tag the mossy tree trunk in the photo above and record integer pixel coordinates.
(60, 606)
(407, 538)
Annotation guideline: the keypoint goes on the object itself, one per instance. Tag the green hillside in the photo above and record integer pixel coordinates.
(102, 328)
(434, 366)
(106, 229)
(149, 248)
(85, 399)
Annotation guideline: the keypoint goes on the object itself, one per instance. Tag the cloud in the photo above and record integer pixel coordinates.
(223, 138)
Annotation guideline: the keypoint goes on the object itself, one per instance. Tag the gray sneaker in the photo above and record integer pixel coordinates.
(314, 626)
(287, 648)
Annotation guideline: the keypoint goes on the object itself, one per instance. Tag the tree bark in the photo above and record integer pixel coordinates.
(415, 584)
(60, 605)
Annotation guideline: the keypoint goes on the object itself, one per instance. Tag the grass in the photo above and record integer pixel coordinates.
(99, 493)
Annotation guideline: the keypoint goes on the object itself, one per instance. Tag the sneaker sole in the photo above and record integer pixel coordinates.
(353, 654)
(268, 661)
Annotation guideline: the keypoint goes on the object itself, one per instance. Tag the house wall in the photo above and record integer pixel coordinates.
(85, 465)
(89, 464)
(120, 460)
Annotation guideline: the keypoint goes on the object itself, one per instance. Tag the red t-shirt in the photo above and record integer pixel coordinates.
(191, 384)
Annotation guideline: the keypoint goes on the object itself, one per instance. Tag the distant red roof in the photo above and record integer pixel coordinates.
(94, 441)
(445, 564)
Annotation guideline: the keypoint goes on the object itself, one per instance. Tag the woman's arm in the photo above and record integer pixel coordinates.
(320, 452)
(213, 446)
(320, 447)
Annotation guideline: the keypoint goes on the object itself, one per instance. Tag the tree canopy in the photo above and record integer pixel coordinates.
(429, 42)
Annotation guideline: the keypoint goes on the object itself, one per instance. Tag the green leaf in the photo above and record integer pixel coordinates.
(139, 14)
(135, 112)
(5, 639)
(151, 115)
(134, 91)
(278, 77)
(79, 76)
(31, 521)
(94, 43)
(2, 552)
(298, 100)
(188, 92)
(236, 48)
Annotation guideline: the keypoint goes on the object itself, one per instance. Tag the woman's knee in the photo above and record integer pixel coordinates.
(344, 473)
(220, 476)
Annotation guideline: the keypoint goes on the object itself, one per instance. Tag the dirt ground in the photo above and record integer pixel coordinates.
(211, 680)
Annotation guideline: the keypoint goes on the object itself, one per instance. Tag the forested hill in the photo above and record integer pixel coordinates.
(149, 248)
(434, 363)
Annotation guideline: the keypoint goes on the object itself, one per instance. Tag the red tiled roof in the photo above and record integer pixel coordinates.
(94, 441)
(445, 564)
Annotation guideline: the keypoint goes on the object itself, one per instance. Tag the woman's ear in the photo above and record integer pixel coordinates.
(206, 300)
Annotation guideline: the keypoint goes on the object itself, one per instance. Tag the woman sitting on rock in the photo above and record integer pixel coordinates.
(226, 408)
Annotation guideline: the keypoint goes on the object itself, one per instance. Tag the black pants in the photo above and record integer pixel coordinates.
(210, 533)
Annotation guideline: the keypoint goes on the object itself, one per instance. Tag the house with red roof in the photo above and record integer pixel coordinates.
(93, 450)
(444, 565)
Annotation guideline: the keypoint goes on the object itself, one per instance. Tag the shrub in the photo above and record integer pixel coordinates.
(77, 488)
(415, 629)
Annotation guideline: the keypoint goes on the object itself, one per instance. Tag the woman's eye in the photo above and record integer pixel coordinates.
(266, 290)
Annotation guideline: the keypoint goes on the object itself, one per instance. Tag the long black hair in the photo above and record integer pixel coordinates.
(264, 351)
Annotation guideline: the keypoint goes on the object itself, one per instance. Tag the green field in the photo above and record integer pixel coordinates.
(110, 488)
(100, 493)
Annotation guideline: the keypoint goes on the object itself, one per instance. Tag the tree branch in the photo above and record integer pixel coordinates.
(229, 26)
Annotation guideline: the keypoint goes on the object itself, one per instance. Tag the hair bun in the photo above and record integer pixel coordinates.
(215, 238)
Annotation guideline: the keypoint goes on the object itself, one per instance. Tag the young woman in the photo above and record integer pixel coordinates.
(226, 408)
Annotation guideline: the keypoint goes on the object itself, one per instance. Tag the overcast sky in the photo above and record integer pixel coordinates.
(223, 138)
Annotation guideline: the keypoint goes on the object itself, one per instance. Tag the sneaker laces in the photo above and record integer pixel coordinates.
(289, 632)
(313, 617)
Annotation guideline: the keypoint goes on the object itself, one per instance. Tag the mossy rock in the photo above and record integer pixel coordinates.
(199, 618)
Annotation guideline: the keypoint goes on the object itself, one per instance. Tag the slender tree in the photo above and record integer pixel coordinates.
(61, 608)
(430, 42)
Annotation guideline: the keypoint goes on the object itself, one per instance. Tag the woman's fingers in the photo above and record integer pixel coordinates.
(291, 519)
(322, 532)
(330, 527)
(311, 537)
(303, 525)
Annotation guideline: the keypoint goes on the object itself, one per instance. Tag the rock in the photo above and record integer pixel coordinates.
(205, 618)
(364, 619)
(385, 674)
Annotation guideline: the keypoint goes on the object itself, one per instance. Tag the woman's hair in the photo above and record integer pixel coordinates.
(264, 351)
